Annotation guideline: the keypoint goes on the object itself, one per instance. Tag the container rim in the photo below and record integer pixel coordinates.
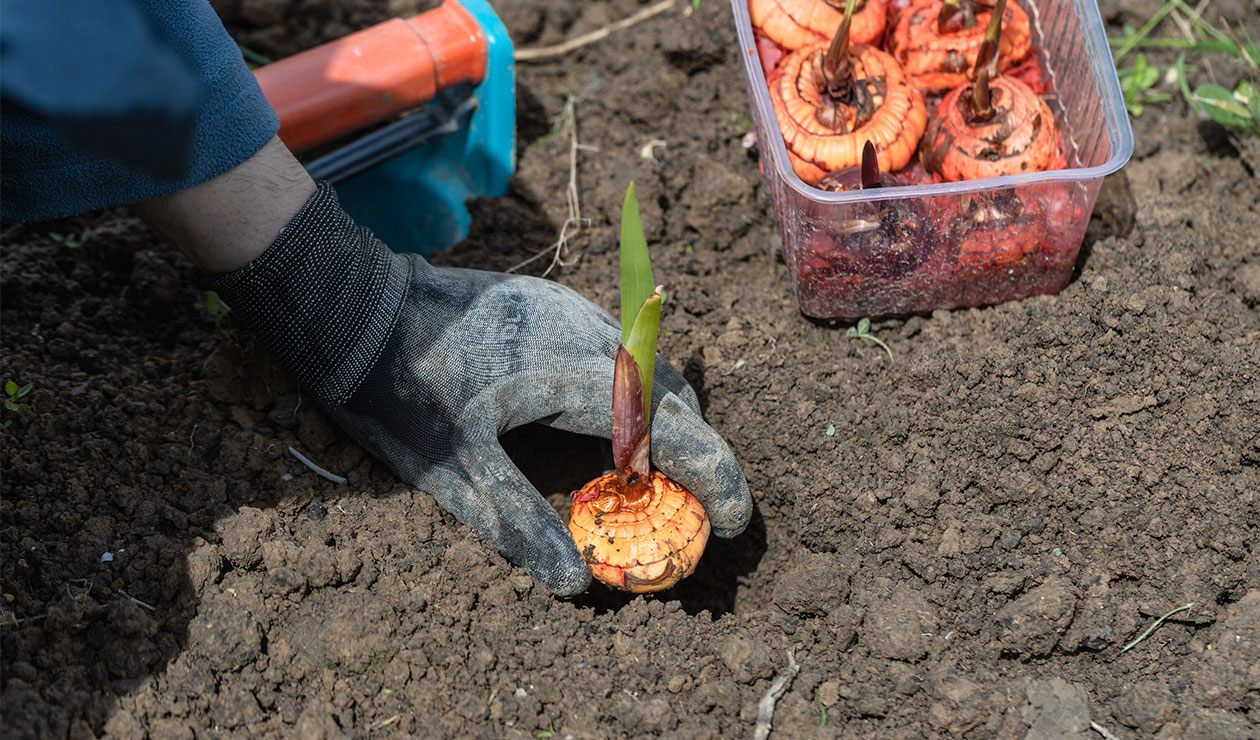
(1119, 129)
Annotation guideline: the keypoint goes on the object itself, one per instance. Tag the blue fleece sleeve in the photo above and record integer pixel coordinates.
(105, 104)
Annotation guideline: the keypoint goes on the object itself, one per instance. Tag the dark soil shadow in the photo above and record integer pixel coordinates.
(713, 588)
(1115, 214)
(555, 461)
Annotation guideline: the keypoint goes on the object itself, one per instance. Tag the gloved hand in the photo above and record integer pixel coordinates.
(426, 366)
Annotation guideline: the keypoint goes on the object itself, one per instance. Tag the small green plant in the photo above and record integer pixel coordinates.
(1237, 109)
(688, 249)
(72, 240)
(217, 309)
(740, 121)
(695, 6)
(15, 394)
(863, 331)
(1135, 81)
(831, 430)
(822, 709)
(550, 731)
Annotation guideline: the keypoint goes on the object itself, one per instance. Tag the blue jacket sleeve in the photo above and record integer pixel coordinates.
(111, 103)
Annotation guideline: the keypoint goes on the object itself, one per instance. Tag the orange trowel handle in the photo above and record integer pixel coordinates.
(373, 74)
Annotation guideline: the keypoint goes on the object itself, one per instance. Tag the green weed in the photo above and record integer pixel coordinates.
(1135, 81)
(15, 395)
(1237, 110)
(217, 309)
(740, 121)
(72, 240)
(862, 331)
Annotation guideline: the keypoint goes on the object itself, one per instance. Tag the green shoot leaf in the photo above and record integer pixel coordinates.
(637, 284)
(642, 345)
(636, 357)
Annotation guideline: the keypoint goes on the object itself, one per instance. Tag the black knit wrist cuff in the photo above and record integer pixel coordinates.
(324, 297)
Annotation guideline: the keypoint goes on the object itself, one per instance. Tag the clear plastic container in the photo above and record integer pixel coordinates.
(1035, 222)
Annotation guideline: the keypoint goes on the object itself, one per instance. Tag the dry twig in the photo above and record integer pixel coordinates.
(1156, 624)
(386, 722)
(136, 601)
(574, 218)
(315, 468)
(765, 707)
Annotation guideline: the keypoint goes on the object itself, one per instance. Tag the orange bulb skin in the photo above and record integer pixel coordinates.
(641, 541)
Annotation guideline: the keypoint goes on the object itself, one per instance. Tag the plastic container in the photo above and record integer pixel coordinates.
(840, 270)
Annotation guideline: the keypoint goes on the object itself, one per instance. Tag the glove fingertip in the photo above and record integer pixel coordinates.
(692, 453)
(731, 508)
(555, 561)
(570, 581)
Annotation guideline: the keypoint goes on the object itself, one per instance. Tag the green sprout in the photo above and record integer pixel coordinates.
(1135, 81)
(822, 709)
(740, 121)
(831, 430)
(15, 394)
(217, 309)
(862, 331)
(551, 730)
(72, 240)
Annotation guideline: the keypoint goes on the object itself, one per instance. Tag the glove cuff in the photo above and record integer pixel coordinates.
(324, 297)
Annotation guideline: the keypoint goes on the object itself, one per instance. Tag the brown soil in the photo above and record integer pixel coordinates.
(998, 512)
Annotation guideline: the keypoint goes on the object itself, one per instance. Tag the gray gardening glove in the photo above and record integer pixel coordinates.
(426, 366)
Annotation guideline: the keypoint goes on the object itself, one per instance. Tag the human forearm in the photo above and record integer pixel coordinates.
(227, 221)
